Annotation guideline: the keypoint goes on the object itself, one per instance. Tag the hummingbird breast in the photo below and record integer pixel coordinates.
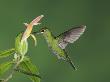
(54, 45)
(55, 49)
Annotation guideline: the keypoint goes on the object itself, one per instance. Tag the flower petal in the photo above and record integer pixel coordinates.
(30, 27)
(34, 38)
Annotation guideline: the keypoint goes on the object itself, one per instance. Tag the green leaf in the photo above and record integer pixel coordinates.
(24, 47)
(7, 53)
(27, 65)
(21, 47)
(4, 67)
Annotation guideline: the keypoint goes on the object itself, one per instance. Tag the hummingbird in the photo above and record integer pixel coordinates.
(58, 44)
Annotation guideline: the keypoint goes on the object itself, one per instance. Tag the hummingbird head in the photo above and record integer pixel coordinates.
(46, 33)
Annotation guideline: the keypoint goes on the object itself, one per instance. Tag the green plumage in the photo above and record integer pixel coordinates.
(58, 44)
(53, 44)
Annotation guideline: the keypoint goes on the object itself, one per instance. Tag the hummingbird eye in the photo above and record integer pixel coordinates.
(43, 30)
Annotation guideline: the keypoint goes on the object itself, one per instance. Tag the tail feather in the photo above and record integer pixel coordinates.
(68, 59)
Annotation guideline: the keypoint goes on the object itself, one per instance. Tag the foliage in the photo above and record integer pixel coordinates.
(20, 62)
(27, 65)
(4, 67)
(7, 53)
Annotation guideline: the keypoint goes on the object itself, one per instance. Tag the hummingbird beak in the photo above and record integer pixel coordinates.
(40, 32)
(37, 33)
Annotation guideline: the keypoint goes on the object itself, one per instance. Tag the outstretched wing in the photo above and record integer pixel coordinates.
(70, 36)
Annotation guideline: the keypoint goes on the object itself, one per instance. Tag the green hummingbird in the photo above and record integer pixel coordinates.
(58, 44)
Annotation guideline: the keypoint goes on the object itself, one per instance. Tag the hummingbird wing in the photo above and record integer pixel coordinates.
(70, 36)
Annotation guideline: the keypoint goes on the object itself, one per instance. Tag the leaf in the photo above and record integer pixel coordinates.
(27, 65)
(6, 53)
(18, 42)
(21, 47)
(4, 67)
(24, 47)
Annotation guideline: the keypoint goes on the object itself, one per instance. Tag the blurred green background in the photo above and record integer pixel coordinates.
(90, 53)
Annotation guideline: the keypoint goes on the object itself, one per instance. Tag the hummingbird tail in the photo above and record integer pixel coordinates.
(70, 62)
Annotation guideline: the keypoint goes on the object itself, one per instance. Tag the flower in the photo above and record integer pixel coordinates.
(29, 27)
(21, 44)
